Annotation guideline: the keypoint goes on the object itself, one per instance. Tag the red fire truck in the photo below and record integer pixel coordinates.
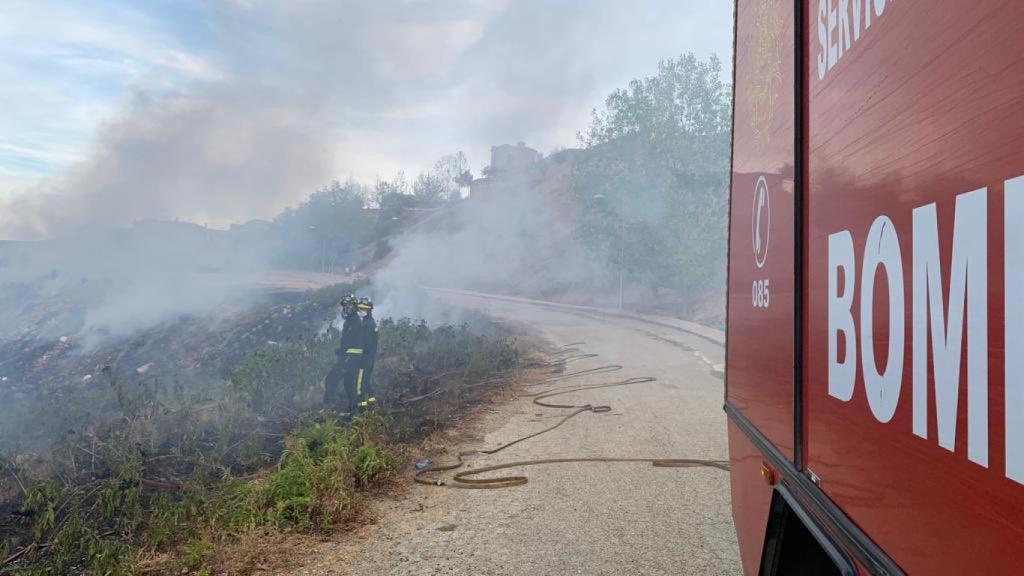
(875, 388)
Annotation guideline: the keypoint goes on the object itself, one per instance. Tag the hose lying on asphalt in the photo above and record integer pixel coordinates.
(464, 479)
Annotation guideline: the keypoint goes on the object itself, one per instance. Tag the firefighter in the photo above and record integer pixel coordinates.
(344, 369)
(368, 339)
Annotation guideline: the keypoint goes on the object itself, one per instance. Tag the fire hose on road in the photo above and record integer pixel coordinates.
(558, 358)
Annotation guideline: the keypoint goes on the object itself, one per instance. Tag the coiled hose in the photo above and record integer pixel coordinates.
(557, 358)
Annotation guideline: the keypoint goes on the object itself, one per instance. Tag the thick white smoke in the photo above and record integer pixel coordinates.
(517, 239)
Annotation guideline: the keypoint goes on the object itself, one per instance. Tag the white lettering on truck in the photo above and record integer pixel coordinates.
(841, 375)
(882, 249)
(835, 25)
(1013, 279)
(968, 279)
(935, 320)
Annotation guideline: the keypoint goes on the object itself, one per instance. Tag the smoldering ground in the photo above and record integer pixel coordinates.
(109, 283)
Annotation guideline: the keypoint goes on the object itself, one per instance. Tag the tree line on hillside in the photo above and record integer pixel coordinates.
(651, 187)
(331, 229)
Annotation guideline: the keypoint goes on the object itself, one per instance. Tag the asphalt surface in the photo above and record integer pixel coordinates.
(602, 519)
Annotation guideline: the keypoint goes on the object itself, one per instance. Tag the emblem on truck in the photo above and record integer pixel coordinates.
(761, 221)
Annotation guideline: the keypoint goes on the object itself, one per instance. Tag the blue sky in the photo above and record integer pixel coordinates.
(163, 107)
(65, 67)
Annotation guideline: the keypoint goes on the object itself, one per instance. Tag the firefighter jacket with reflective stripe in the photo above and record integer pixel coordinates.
(350, 338)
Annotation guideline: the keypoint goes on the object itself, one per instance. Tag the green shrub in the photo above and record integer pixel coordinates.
(68, 544)
(41, 506)
(237, 507)
(271, 378)
(444, 349)
(196, 552)
(110, 557)
(168, 522)
(289, 496)
(372, 464)
(314, 484)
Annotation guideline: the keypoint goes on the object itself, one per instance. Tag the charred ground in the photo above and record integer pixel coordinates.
(180, 446)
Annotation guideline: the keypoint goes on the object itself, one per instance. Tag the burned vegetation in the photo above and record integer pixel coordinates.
(200, 446)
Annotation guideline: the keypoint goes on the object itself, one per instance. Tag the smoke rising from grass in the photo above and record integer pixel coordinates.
(516, 239)
(111, 283)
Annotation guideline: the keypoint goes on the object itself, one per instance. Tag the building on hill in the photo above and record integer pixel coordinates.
(519, 167)
(509, 158)
(511, 165)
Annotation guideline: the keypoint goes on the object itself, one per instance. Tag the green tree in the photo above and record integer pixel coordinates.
(338, 221)
(686, 96)
(464, 179)
(444, 181)
(325, 231)
(392, 194)
(651, 186)
(430, 189)
(453, 171)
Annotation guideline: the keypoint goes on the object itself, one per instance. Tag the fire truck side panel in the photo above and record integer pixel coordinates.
(761, 287)
(915, 142)
(760, 351)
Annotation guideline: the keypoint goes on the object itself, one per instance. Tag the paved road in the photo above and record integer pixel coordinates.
(594, 519)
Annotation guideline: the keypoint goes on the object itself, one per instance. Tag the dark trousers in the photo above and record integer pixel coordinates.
(352, 384)
(345, 372)
(334, 378)
(364, 383)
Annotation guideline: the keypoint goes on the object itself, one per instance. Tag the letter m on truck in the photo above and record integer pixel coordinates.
(875, 386)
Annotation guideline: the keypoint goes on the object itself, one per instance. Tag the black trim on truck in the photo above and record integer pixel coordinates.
(824, 512)
(798, 228)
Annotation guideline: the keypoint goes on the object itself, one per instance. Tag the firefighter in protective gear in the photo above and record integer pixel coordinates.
(368, 338)
(344, 369)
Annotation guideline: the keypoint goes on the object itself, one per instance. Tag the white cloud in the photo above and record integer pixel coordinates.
(67, 67)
